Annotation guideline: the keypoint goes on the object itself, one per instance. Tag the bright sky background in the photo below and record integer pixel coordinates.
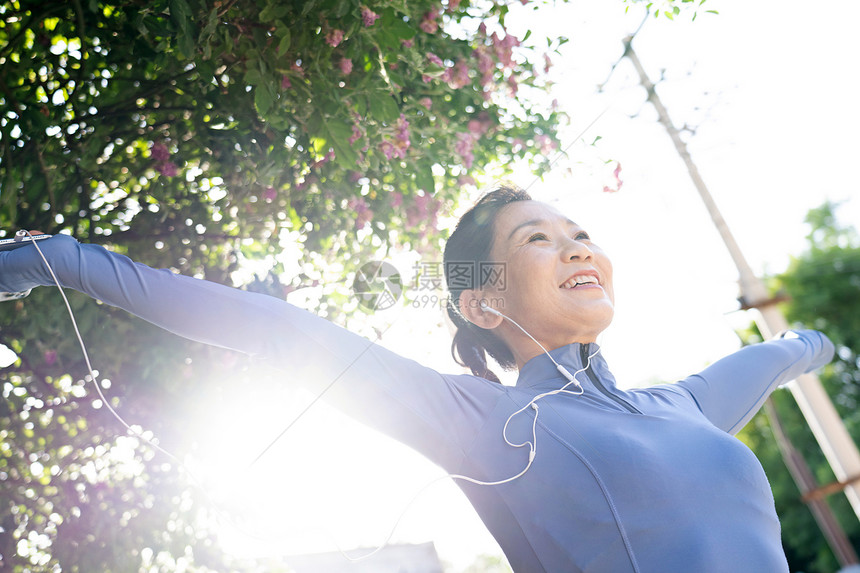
(771, 89)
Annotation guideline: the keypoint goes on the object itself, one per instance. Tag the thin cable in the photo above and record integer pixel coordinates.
(92, 373)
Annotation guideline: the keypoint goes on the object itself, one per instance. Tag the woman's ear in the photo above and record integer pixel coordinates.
(470, 307)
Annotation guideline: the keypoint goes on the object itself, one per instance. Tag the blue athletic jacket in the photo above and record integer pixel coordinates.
(647, 480)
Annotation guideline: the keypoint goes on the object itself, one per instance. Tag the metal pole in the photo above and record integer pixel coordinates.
(837, 445)
(805, 480)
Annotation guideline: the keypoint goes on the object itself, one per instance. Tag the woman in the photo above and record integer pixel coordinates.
(568, 472)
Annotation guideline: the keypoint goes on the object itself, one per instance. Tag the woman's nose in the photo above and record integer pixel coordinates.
(574, 250)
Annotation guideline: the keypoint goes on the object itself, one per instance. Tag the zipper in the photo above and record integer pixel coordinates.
(583, 355)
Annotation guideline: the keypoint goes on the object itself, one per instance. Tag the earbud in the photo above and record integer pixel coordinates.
(562, 370)
(486, 308)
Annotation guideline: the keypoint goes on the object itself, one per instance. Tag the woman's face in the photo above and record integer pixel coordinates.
(558, 283)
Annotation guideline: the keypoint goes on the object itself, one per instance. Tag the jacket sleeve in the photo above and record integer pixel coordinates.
(428, 411)
(731, 391)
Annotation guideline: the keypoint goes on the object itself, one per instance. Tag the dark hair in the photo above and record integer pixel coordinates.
(469, 247)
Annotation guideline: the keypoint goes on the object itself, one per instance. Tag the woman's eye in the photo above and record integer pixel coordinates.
(582, 236)
(537, 237)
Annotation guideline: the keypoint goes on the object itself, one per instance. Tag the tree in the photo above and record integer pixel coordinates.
(199, 136)
(822, 285)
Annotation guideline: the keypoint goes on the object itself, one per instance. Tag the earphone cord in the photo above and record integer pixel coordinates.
(92, 373)
(532, 444)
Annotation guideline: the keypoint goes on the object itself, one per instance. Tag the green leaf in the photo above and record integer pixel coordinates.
(424, 179)
(263, 99)
(180, 14)
(253, 77)
(337, 135)
(309, 5)
(286, 39)
(383, 108)
(274, 10)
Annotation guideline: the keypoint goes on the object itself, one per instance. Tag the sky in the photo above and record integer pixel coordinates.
(769, 91)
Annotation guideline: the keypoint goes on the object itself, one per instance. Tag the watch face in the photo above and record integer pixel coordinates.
(4, 296)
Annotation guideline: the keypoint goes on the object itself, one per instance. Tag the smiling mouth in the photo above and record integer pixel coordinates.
(579, 280)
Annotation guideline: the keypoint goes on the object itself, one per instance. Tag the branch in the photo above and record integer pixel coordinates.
(82, 36)
(48, 184)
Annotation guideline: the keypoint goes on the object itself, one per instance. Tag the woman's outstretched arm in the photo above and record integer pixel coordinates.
(731, 391)
(413, 403)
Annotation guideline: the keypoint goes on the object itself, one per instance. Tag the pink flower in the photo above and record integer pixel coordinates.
(345, 66)
(426, 102)
(334, 38)
(463, 148)
(504, 48)
(434, 59)
(286, 83)
(403, 130)
(513, 84)
(50, 357)
(387, 149)
(396, 199)
(167, 168)
(485, 62)
(453, 5)
(460, 76)
(269, 194)
(547, 63)
(478, 128)
(400, 144)
(423, 211)
(407, 43)
(617, 175)
(368, 16)
(357, 133)
(428, 22)
(363, 214)
(159, 152)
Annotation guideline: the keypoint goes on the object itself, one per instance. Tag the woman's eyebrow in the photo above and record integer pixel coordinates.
(537, 223)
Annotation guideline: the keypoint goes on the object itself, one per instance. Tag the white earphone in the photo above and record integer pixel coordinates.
(532, 404)
(564, 372)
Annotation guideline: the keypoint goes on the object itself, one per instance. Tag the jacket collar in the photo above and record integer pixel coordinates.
(541, 369)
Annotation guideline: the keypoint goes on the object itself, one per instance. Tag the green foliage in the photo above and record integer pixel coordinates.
(195, 136)
(671, 8)
(823, 284)
(198, 136)
(488, 564)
